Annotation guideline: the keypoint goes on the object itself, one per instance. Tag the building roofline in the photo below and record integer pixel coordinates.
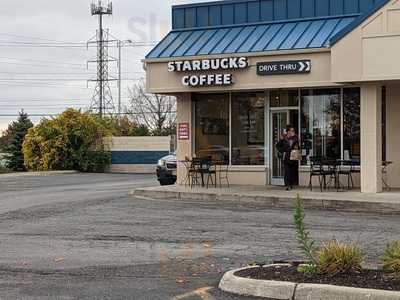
(239, 54)
(266, 22)
(357, 22)
(208, 3)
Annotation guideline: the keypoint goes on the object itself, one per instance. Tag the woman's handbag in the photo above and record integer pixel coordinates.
(295, 155)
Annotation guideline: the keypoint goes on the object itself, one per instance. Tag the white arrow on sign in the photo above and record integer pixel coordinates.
(305, 66)
(308, 68)
(302, 66)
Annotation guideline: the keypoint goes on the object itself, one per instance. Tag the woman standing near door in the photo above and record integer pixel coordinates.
(288, 147)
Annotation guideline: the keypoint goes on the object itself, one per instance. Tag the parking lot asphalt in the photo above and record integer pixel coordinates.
(81, 236)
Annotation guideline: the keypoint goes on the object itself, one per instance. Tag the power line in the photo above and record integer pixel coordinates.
(57, 114)
(31, 37)
(73, 99)
(48, 106)
(63, 46)
(150, 43)
(40, 65)
(39, 60)
(60, 73)
(40, 85)
(57, 79)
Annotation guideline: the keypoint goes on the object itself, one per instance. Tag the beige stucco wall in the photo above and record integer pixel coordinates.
(184, 115)
(252, 175)
(159, 80)
(137, 143)
(393, 136)
(371, 51)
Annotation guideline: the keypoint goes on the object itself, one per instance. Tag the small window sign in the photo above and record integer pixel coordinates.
(183, 131)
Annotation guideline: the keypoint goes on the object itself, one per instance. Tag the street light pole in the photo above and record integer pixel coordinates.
(119, 77)
(120, 45)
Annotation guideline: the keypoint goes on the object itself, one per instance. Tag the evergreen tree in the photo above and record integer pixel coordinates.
(17, 131)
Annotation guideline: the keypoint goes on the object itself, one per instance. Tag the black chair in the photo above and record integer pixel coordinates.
(223, 172)
(209, 170)
(316, 170)
(330, 170)
(201, 167)
(194, 172)
(346, 168)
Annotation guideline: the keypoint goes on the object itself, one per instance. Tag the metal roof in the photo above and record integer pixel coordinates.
(285, 35)
(235, 12)
(247, 26)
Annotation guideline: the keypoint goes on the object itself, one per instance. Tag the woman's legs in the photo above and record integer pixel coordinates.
(290, 174)
(294, 174)
(287, 174)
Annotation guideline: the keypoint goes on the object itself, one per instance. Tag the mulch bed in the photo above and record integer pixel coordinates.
(372, 279)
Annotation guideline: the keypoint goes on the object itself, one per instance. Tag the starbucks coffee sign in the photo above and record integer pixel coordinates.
(211, 68)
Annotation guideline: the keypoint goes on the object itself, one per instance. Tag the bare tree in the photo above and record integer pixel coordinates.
(157, 112)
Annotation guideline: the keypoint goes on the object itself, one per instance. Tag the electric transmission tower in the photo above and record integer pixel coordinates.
(102, 100)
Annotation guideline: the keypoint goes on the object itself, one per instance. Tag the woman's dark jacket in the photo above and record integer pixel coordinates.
(285, 147)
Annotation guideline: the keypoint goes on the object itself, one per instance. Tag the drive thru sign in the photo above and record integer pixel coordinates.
(284, 67)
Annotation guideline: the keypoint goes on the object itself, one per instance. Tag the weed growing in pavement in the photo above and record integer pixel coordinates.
(306, 244)
(332, 258)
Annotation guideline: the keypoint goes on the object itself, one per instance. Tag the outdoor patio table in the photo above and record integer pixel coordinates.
(346, 167)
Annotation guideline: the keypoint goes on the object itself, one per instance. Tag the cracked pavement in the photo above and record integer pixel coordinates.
(80, 236)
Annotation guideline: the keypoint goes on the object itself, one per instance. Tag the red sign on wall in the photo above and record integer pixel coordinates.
(183, 131)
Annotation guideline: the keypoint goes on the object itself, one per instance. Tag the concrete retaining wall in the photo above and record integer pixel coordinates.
(137, 154)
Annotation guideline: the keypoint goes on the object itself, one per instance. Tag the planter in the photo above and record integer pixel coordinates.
(234, 282)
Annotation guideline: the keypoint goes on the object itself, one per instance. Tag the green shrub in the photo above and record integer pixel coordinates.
(306, 244)
(391, 258)
(71, 141)
(95, 161)
(335, 258)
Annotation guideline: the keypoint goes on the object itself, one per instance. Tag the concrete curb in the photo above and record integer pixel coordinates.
(298, 291)
(321, 291)
(47, 173)
(279, 290)
(269, 201)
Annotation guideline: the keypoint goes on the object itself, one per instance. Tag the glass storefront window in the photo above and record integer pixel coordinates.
(248, 122)
(212, 125)
(351, 124)
(284, 98)
(320, 123)
(324, 124)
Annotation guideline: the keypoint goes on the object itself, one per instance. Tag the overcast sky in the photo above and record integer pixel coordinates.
(41, 79)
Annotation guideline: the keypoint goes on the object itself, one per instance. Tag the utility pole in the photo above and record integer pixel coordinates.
(102, 100)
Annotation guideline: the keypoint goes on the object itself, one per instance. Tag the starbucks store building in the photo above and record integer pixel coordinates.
(242, 70)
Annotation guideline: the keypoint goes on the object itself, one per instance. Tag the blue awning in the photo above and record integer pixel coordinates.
(273, 36)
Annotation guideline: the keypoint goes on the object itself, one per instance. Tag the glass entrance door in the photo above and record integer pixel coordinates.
(278, 125)
(279, 120)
